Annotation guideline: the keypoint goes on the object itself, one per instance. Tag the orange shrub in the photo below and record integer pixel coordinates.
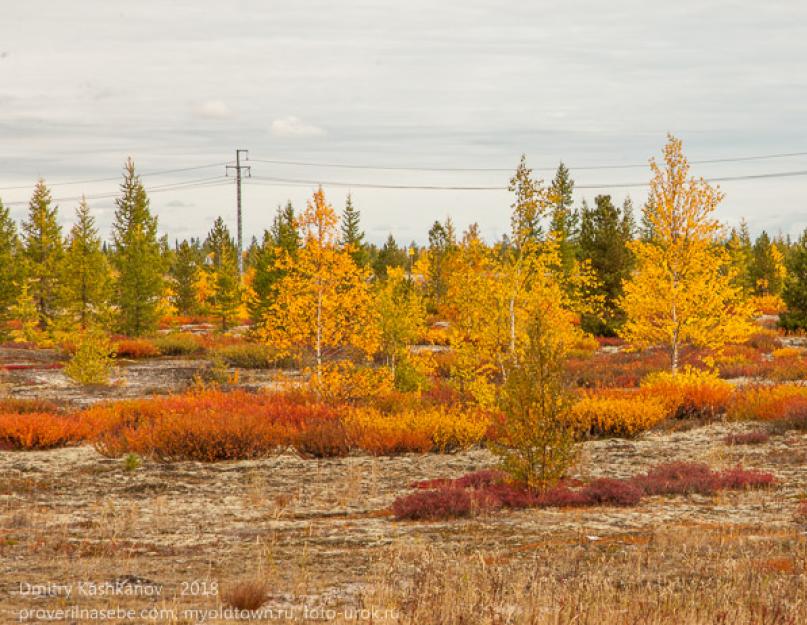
(135, 348)
(689, 393)
(209, 425)
(767, 403)
(617, 413)
(38, 430)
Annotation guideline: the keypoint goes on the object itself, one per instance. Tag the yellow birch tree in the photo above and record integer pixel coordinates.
(324, 302)
(683, 288)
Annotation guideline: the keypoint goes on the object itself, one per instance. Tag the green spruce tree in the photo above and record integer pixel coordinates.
(563, 218)
(137, 258)
(184, 274)
(43, 250)
(390, 255)
(351, 234)
(87, 278)
(11, 274)
(605, 232)
(282, 238)
(223, 278)
(795, 290)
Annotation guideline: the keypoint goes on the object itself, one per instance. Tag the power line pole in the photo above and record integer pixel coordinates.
(238, 167)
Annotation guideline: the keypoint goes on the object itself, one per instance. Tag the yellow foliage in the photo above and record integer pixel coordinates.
(786, 352)
(691, 392)
(434, 429)
(324, 302)
(683, 288)
(769, 304)
(617, 414)
(343, 381)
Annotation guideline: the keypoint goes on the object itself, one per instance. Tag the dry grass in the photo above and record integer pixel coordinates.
(246, 594)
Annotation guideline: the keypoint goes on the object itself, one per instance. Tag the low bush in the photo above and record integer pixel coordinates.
(748, 438)
(764, 341)
(611, 492)
(91, 362)
(486, 491)
(768, 403)
(135, 348)
(210, 425)
(39, 430)
(346, 382)
(19, 405)
(443, 503)
(616, 413)
(432, 429)
(679, 478)
(247, 355)
(321, 438)
(691, 393)
(179, 344)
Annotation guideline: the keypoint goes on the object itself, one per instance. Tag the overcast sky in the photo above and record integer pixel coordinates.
(457, 84)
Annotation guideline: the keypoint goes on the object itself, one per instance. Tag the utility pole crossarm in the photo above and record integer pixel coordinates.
(238, 167)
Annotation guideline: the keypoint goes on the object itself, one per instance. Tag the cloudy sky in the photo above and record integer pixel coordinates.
(452, 84)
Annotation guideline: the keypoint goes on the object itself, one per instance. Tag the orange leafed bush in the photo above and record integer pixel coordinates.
(208, 425)
(689, 393)
(38, 430)
(617, 413)
(768, 403)
(135, 348)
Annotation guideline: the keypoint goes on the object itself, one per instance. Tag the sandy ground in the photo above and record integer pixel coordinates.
(318, 530)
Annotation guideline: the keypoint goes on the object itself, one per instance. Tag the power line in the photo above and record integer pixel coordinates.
(214, 181)
(277, 181)
(735, 159)
(112, 179)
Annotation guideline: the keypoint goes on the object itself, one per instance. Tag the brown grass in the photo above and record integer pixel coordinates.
(246, 594)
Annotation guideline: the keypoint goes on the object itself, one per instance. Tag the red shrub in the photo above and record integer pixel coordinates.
(678, 478)
(562, 496)
(443, 503)
(748, 438)
(691, 477)
(608, 491)
(743, 479)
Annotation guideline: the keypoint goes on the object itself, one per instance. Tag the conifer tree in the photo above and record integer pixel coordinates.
(223, 277)
(767, 271)
(564, 219)
(390, 255)
(43, 250)
(605, 233)
(10, 267)
(740, 251)
(184, 273)
(137, 258)
(795, 290)
(282, 240)
(87, 279)
(442, 245)
(529, 207)
(351, 234)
